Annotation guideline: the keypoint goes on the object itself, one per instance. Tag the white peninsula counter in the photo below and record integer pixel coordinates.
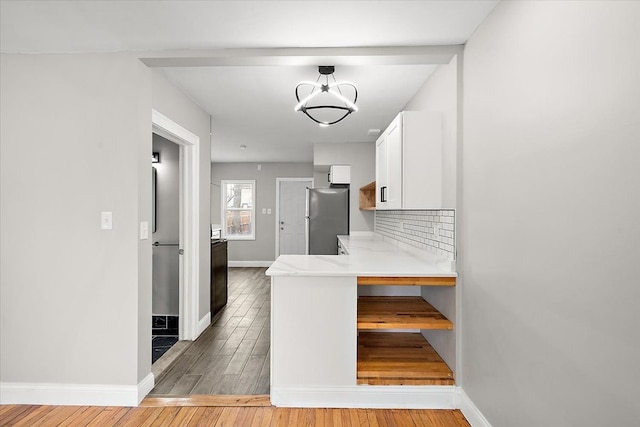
(322, 354)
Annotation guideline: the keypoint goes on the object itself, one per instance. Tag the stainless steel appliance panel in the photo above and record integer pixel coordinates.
(328, 217)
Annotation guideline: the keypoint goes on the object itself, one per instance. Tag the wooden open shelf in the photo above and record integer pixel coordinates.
(391, 312)
(368, 197)
(407, 281)
(388, 358)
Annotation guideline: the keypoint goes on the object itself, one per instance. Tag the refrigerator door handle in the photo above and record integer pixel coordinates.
(306, 205)
(306, 222)
(306, 236)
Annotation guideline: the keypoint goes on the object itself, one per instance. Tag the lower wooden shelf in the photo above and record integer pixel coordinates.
(402, 312)
(391, 358)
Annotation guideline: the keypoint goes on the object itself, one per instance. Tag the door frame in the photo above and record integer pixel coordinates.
(189, 262)
(277, 217)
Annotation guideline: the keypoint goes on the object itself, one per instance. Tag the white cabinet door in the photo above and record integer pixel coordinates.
(409, 162)
(393, 193)
(381, 172)
(421, 160)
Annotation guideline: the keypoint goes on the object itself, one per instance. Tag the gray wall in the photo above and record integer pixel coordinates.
(264, 247)
(73, 130)
(550, 236)
(166, 289)
(439, 93)
(75, 140)
(362, 158)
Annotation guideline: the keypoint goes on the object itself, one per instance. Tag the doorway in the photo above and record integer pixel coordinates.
(165, 232)
(189, 218)
(291, 206)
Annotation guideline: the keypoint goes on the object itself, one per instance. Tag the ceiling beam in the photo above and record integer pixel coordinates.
(398, 55)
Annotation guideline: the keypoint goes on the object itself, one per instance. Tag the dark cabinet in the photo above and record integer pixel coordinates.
(218, 276)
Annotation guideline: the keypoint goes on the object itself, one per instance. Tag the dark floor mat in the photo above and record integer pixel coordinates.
(160, 345)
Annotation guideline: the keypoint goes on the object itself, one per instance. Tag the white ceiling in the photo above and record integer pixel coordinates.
(253, 105)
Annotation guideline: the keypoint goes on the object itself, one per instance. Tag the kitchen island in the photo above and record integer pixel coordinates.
(326, 314)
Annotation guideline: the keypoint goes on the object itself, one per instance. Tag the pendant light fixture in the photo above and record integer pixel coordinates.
(323, 90)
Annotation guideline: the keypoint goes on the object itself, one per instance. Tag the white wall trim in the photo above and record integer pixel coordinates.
(204, 323)
(189, 219)
(362, 396)
(167, 128)
(250, 263)
(145, 386)
(75, 394)
(470, 410)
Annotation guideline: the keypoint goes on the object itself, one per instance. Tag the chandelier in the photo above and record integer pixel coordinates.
(333, 93)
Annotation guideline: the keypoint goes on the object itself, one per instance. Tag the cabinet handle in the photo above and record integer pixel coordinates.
(383, 193)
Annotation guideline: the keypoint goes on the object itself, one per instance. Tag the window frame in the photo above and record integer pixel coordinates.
(223, 202)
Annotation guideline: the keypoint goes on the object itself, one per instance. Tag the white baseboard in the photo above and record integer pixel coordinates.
(250, 263)
(471, 411)
(362, 396)
(145, 386)
(204, 323)
(75, 394)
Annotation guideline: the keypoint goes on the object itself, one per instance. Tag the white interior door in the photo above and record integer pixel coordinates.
(291, 216)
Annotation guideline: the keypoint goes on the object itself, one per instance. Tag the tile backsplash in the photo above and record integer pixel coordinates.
(432, 230)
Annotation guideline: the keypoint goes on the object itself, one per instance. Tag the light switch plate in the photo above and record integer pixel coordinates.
(106, 220)
(268, 211)
(144, 230)
(264, 210)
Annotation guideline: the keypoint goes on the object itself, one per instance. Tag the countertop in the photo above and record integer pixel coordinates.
(369, 255)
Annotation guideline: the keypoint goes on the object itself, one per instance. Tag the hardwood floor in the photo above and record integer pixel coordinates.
(232, 356)
(27, 415)
(231, 359)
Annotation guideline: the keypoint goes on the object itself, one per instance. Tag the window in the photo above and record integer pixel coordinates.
(238, 210)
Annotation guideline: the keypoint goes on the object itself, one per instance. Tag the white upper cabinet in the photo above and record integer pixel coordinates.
(409, 162)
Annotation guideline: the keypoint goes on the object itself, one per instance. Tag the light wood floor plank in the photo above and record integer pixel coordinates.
(30, 417)
(221, 416)
(166, 417)
(138, 416)
(6, 408)
(184, 415)
(245, 417)
(265, 414)
(372, 420)
(14, 412)
(57, 415)
(109, 416)
(82, 417)
(205, 416)
(228, 417)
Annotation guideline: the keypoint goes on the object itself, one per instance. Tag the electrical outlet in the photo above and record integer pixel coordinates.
(106, 220)
(269, 211)
(264, 211)
(144, 230)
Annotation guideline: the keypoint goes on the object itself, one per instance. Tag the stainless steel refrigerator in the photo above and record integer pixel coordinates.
(327, 217)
